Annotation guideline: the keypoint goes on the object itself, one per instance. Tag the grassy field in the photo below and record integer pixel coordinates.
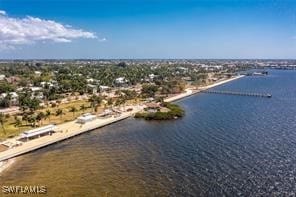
(11, 130)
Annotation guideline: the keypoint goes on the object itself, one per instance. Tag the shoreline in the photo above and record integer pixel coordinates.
(72, 129)
(190, 92)
(5, 165)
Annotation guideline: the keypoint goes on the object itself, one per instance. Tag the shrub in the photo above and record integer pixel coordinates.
(175, 111)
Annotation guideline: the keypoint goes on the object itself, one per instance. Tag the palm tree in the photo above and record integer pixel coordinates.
(2, 121)
(40, 116)
(25, 117)
(110, 102)
(47, 114)
(95, 101)
(18, 122)
(83, 107)
(32, 120)
(73, 110)
(59, 112)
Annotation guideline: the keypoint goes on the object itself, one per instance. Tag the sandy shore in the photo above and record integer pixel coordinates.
(71, 129)
(189, 92)
(4, 165)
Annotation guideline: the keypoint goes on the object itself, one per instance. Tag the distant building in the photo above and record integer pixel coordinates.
(187, 78)
(35, 89)
(152, 76)
(120, 80)
(13, 97)
(2, 77)
(12, 79)
(86, 118)
(10, 110)
(93, 87)
(44, 83)
(38, 73)
(104, 88)
(90, 80)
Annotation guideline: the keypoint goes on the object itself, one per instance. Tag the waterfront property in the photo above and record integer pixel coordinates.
(230, 144)
(86, 118)
(38, 132)
(73, 128)
(64, 131)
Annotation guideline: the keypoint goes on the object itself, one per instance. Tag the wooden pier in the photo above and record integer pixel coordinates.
(237, 93)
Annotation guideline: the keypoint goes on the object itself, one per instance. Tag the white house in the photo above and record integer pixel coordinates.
(104, 88)
(2, 77)
(35, 89)
(13, 97)
(44, 83)
(120, 80)
(38, 73)
(90, 80)
(86, 118)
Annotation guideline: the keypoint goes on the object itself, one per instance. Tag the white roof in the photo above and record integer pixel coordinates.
(104, 87)
(11, 143)
(12, 94)
(35, 89)
(38, 131)
(86, 117)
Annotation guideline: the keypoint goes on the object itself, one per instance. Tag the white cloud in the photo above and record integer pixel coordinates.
(2, 12)
(20, 31)
(102, 40)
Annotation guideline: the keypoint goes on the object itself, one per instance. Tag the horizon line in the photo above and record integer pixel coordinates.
(67, 59)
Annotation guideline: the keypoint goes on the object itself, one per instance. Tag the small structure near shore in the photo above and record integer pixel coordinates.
(38, 132)
(10, 143)
(86, 118)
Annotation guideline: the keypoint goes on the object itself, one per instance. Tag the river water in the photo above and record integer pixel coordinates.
(225, 145)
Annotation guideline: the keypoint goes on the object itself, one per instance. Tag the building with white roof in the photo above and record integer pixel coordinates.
(104, 88)
(35, 89)
(120, 80)
(2, 77)
(38, 132)
(86, 118)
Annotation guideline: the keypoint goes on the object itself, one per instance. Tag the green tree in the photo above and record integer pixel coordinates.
(25, 117)
(59, 112)
(18, 122)
(83, 107)
(149, 90)
(95, 101)
(2, 122)
(47, 114)
(32, 120)
(40, 116)
(110, 102)
(73, 110)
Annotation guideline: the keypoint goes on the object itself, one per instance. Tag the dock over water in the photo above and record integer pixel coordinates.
(237, 93)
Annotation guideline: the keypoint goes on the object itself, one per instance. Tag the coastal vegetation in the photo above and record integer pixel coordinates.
(173, 111)
(47, 92)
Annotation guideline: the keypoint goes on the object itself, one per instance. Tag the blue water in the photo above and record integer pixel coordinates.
(225, 145)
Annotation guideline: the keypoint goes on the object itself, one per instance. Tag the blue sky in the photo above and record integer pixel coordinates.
(148, 29)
